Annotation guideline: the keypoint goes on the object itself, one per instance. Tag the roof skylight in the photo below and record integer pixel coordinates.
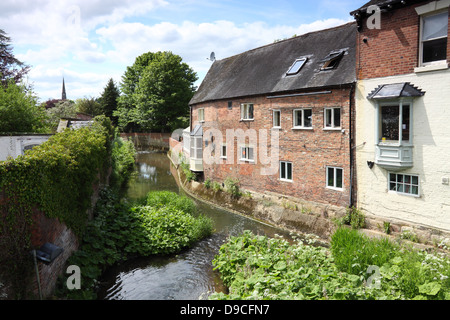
(296, 67)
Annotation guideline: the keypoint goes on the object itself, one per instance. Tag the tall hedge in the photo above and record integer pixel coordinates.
(56, 178)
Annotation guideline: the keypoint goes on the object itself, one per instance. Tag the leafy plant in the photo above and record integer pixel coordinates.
(120, 231)
(355, 218)
(232, 187)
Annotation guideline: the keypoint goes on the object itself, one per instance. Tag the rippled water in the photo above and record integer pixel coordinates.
(188, 275)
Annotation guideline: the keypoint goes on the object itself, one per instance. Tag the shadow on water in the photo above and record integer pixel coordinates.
(188, 275)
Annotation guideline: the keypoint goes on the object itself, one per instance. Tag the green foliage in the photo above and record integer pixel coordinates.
(354, 253)
(20, 111)
(208, 184)
(232, 187)
(109, 100)
(355, 218)
(89, 106)
(190, 176)
(123, 158)
(257, 267)
(55, 178)
(122, 231)
(62, 109)
(156, 91)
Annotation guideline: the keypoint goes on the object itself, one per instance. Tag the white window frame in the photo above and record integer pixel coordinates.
(294, 119)
(421, 42)
(334, 187)
(201, 115)
(287, 163)
(246, 159)
(409, 194)
(245, 111)
(224, 155)
(301, 61)
(273, 119)
(332, 127)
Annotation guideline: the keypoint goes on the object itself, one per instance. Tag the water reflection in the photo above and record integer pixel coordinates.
(186, 276)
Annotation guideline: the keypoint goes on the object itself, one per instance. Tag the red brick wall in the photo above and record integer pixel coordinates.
(310, 151)
(393, 49)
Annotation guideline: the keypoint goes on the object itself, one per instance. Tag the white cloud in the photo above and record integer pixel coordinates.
(89, 42)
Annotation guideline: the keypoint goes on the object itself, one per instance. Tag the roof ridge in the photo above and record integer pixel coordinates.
(289, 39)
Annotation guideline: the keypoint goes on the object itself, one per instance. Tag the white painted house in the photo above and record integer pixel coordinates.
(16, 145)
(403, 114)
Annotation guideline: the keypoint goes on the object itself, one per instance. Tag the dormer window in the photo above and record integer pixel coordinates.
(296, 67)
(332, 60)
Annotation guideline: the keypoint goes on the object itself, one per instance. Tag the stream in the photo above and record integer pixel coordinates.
(185, 276)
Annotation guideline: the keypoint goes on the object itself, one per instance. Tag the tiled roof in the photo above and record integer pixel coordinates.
(263, 70)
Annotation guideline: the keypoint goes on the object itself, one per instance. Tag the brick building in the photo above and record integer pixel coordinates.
(402, 112)
(280, 118)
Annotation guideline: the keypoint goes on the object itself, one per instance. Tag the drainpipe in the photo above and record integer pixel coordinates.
(352, 160)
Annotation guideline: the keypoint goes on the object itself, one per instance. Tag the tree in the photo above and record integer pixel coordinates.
(156, 93)
(20, 111)
(89, 106)
(109, 100)
(10, 67)
(62, 109)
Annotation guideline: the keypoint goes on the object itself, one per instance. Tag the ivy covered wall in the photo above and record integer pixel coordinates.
(57, 179)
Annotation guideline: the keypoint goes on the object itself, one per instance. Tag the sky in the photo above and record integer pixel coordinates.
(89, 42)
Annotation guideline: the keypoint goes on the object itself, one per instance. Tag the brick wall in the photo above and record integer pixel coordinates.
(51, 230)
(310, 151)
(393, 49)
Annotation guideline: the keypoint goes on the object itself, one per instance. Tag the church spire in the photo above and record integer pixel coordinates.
(64, 97)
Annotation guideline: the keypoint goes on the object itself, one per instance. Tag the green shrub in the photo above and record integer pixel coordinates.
(232, 187)
(159, 199)
(355, 218)
(121, 231)
(354, 252)
(208, 184)
(123, 158)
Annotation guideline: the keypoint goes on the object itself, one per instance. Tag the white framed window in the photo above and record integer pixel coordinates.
(223, 151)
(433, 38)
(247, 154)
(332, 118)
(335, 178)
(247, 111)
(404, 184)
(302, 119)
(286, 171)
(276, 114)
(201, 115)
(296, 66)
(196, 147)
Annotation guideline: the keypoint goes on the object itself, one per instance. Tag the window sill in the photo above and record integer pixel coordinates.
(432, 67)
(404, 194)
(302, 128)
(335, 189)
(285, 180)
(247, 161)
(332, 129)
(247, 120)
(276, 128)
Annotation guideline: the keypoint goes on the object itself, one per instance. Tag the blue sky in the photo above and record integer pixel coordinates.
(89, 42)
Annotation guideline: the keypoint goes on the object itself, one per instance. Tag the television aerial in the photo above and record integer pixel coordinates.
(212, 57)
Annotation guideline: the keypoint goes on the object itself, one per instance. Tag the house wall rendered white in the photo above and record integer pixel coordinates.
(13, 146)
(431, 154)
